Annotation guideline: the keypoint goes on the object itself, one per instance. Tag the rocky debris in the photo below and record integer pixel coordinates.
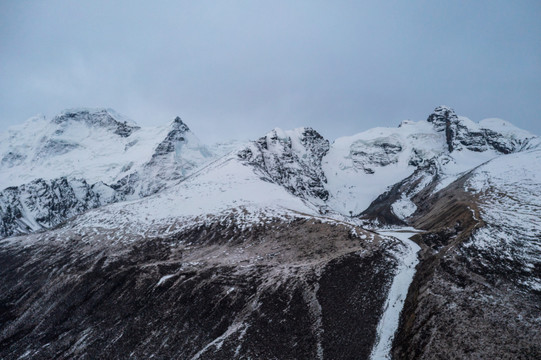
(293, 160)
(302, 289)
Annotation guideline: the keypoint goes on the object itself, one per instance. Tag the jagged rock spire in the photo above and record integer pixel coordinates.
(441, 115)
(445, 119)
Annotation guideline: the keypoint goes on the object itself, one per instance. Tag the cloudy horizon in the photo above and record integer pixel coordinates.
(236, 69)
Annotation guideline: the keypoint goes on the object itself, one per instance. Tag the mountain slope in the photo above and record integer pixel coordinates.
(115, 161)
(477, 289)
(226, 264)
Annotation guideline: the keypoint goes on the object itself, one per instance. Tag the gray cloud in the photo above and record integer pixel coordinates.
(236, 69)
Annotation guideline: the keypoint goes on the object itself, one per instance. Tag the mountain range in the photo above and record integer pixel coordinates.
(416, 242)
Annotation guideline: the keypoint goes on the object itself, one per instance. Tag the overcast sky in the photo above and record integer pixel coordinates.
(236, 69)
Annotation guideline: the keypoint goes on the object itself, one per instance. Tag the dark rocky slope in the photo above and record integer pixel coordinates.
(464, 302)
(303, 290)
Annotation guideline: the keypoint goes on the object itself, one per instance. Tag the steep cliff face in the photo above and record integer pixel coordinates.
(176, 156)
(293, 160)
(42, 204)
(491, 134)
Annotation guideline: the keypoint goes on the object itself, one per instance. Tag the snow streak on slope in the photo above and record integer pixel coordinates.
(388, 323)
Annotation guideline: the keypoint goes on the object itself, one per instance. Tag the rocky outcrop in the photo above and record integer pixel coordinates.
(445, 119)
(379, 152)
(104, 118)
(43, 204)
(293, 160)
(462, 133)
(174, 136)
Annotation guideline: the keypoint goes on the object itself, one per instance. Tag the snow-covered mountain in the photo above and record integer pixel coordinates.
(231, 246)
(51, 170)
(359, 168)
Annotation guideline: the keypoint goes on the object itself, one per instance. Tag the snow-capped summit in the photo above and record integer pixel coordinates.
(94, 144)
(460, 132)
(177, 155)
(115, 160)
(441, 116)
(178, 135)
(361, 167)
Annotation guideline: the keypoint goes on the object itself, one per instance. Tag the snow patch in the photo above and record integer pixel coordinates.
(403, 208)
(163, 279)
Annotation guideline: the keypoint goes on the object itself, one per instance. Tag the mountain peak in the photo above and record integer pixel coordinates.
(179, 125)
(441, 115)
(177, 134)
